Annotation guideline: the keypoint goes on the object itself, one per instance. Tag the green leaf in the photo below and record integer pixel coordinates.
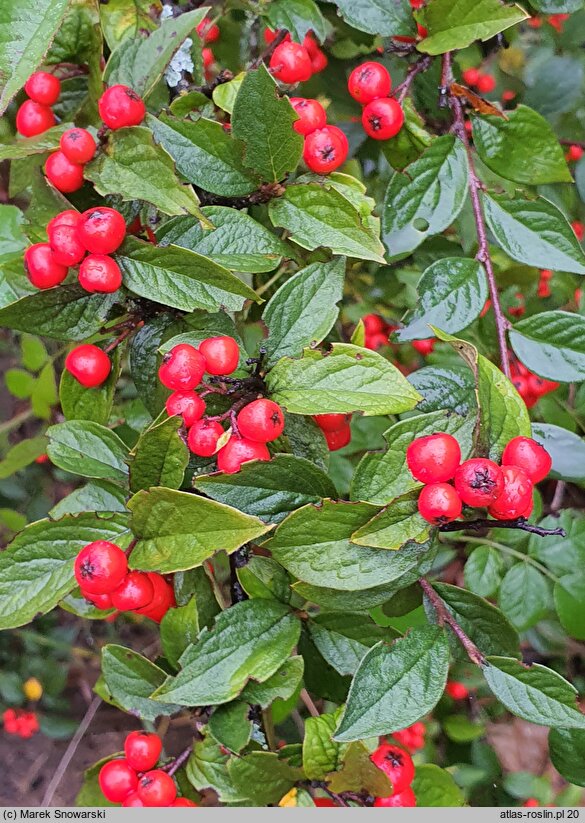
(281, 685)
(27, 28)
(562, 555)
(479, 619)
(207, 768)
(343, 639)
(536, 694)
(534, 232)
(160, 457)
(398, 523)
(384, 17)
(299, 17)
(552, 344)
(554, 82)
(566, 449)
(426, 198)
(95, 496)
(177, 531)
(460, 729)
(322, 754)
(238, 242)
(263, 121)
(205, 154)
(81, 403)
(304, 309)
(224, 95)
(445, 388)
(344, 379)
(483, 571)
(569, 597)
(178, 629)
(269, 490)
(36, 569)
(249, 641)
(22, 454)
(567, 752)
(262, 777)
(231, 726)
(455, 24)
(86, 448)
(359, 774)
(317, 215)
(130, 679)
(29, 146)
(522, 148)
(396, 685)
(12, 243)
(124, 19)
(135, 168)
(434, 786)
(524, 596)
(180, 278)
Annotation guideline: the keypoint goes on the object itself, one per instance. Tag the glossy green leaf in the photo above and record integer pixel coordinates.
(398, 523)
(160, 457)
(263, 777)
(524, 596)
(178, 629)
(344, 638)
(299, 17)
(566, 448)
(434, 786)
(385, 17)
(264, 577)
(29, 146)
(552, 344)
(281, 685)
(483, 571)
(22, 454)
(321, 753)
(207, 768)
(569, 598)
(357, 773)
(567, 752)
(231, 726)
(130, 679)
(455, 24)
(95, 496)
(86, 448)
(124, 19)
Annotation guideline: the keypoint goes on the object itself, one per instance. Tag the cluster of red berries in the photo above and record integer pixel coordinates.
(35, 115)
(506, 490)
(370, 84)
(209, 33)
(557, 21)
(377, 332)
(134, 780)
(87, 239)
(397, 764)
(292, 62)
(101, 571)
(336, 429)
(484, 83)
(20, 723)
(326, 147)
(252, 427)
(530, 386)
(411, 738)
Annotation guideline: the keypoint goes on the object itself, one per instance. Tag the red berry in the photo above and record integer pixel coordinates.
(485, 83)
(100, 273)
(65, 244)
(515, 499)
(311, 44)
(132, 800)
(376, 341)
(33, 118)
(102, 601)
(383, 118)
(458, 691)
(290, 63)
(433, 458)
(222, 354)
(311, 113)
(424, 347)
(134, 592)
(207, 30)
(117, 780)
(186, 403)
(325, 149)
(529, 455)
(396, 764)
(162, 601)
(157, 788)
(324, 802)
(89, 365)
(331, 422)
(62, 173)
(203, 436)
(182, 368)
(182, 801)
(261, 420)
(43, 87)
(41, 268)
(120, 106)
(142, 750)
(339, 438)
(100, 567)
(78, 145)
(368, 82)
(508, 95)
(479, 481)
(238, 451)
(318, 61)
(579, 230)
(471, 76)
(575, 153)
(439, 503)
(102, 230)
(208, 58)
(270, 35)
(531, 802)
(405, 799)
(373, 323)
(69, 217)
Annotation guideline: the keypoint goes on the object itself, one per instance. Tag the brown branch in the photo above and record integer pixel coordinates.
(266, 192)
(421, 65)
(308, 701)
(519, 523)
(445, 617)
(179, 761)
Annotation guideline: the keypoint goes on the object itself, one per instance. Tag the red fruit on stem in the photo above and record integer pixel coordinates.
(134, 592)
(208, 31)
(100, 567)
(132, 800)
(222, 355)
(102, 230)
(331, 422)
(43, 88)
(579, 230)
(485, 83)
(65, 244)
(33, 118)
(433, 458)
(325, 149)
(383, 118)
(100, 273)
(376, 341)
(311, 114)
(405, 799)
(471, 76)
(396, 764)
(142, 750)
(424, 347)
(62, 173)
(163, 598)
(89, 365)
(69, 217)
(78, 145)
(187, 404)
(458, 691)
(238, 451)
(319, 61)
(203, 437)
(369, 81)
(157, 788)
(261, 420)
(529, 455)
(290, 63)
(310, 44)
(182, 368)
(515, 499)
(41, 268)
(117, 780)
(439, 503)
(102, 601)
(574, 153)
(532, 802)
(339, 438)
(270, 35)
(120, 106)
(479, 481)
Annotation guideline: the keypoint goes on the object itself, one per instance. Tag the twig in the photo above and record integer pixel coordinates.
(238, 559)
(519, 523)
(16, 421)
(70, 750)
(176, 764)
(337, 797)
(267, 53)
(483, 252)
(268, 724)
(266, 192)
(558, 496)
(444, 616)
(309, 705)
(422, 64)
